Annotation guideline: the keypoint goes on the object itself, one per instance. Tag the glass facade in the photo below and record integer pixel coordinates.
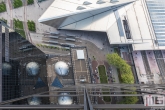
(16, 53)
(156, 9)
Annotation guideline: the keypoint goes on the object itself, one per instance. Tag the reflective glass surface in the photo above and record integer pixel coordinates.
(156, 9)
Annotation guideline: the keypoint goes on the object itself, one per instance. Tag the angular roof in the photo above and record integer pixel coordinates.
(57, 83)
(77, 10)
(39, 83)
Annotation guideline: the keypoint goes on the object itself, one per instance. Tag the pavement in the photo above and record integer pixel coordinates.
(152, 62)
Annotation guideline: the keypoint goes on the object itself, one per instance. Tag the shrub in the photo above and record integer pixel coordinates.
(30, 2)
(17, 3)
(31, 26)
(2, 7)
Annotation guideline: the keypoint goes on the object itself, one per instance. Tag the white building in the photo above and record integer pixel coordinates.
(136, 22)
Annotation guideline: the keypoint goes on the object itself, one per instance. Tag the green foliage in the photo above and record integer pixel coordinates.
(125, 75)
(2, 7)
(31, 26)
(18, 24)
(21, 32)
(124, 69)
(4, 20)
(17, 3)
(116, 50)
(129, 100)
(106, 98)
(30, 2)
(94, 58)
(102, 74)
(103, 79)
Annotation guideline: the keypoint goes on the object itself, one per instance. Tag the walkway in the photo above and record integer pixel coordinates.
(139, 65)
(152, 62)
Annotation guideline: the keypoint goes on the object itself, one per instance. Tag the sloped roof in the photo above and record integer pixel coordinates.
(57, 83)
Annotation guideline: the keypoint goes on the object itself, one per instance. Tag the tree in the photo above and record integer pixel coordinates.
(125, 75)
(124, 69)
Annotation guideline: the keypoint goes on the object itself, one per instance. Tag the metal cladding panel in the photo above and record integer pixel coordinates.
(131, 16)
(0, 62)
(84, 24)
(69, 27)
(52, 13)
(63, 5)
(67, 21)
(119, 23)
(99, 11)
(156, 9)
(142, 21)
(100, 21)
(54, 23)
(67, 8)
(6, 44)
(113, 34)
(111, 20)
(81, 16)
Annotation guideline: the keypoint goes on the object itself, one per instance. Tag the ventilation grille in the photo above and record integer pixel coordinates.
(80, 8)
(112, 1)
(86, 3)
(100, 2)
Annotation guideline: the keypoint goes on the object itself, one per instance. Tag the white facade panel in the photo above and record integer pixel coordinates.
(64, 6)
(134, 26)
(113, 34)
(49, 16)
(142, 21)
(79, 2)
(70, 26)
(147, 45)
(81, 16)
(69, 20)
(111, 20)
(100, 21)
(99, 11)
(80, 54)
(122, 11)
(84, 24)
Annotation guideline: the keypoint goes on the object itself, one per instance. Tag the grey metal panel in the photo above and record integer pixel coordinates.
(119, 23)
(0, 62)
(108, 106)
(156, 9)
(34, 107)
(55, 23)
(6, 44)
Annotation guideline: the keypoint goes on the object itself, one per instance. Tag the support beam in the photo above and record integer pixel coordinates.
(117, 106)
(34, 107)
(89, 101)
(0, 62)
(85, 101)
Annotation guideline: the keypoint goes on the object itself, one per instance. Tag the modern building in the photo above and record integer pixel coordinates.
(21, 64)
(125, 22)
(136, 22)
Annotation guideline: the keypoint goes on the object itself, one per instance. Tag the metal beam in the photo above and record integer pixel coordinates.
(117, 106)
(57, 95)
(41, 107)
(0, 62)
(119, 95)
(88, 99)
(85, 101)
(64, 91)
